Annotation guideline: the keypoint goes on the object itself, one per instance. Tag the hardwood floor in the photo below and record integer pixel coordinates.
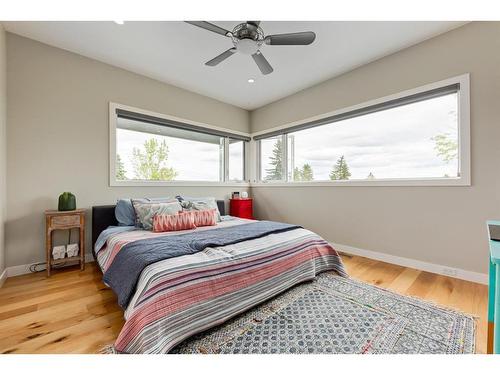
(74, 312)
(70, 312)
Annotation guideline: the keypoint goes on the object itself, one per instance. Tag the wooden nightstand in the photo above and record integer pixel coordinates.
(57, 220)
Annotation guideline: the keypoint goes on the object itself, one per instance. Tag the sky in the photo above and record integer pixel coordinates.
(192, 160)
(395, 143)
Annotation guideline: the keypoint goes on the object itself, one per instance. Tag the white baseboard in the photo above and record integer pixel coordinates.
(3, 277)
(458, 273)
(24, 269)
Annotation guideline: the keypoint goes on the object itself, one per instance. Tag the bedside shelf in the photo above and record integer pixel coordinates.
(64, 220)
(64, 260)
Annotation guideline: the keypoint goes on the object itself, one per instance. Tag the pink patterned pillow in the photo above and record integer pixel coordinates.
(170, 223)
(204, 218)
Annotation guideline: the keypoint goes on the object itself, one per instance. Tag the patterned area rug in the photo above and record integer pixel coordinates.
(337, 315)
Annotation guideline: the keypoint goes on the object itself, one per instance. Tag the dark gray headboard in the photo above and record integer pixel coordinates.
(104, 216)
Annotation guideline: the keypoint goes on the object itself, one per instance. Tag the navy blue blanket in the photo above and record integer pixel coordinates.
(123, 274)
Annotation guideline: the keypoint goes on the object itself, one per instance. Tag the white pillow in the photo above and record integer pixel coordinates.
(198, 204)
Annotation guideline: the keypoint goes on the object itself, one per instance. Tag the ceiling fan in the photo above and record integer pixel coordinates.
(248, 38)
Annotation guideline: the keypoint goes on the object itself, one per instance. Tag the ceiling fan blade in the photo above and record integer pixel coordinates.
(291, 39)
(210, 27)
(218, 59)
(262, 63)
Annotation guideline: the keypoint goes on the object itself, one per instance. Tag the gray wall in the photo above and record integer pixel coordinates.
(443, 225)
(57, 138)
(3, 144)
(57, 111)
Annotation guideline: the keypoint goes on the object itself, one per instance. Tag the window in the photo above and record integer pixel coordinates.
(414, 137)
(271, 156)
(236, 160)
(152, 149)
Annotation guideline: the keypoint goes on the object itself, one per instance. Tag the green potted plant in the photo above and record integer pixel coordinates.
(67, 202)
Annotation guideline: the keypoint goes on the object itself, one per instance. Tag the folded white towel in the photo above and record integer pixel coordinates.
(72, 250)
(58, 252)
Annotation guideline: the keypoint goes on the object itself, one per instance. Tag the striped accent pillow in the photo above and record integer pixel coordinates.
(170, 223)
(205, 218)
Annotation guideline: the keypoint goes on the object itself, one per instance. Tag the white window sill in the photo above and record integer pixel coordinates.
(461, 181)
(180, 183)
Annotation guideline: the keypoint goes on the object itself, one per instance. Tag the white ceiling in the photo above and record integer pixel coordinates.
(175, 52)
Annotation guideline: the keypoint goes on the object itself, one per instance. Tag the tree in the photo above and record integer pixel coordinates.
(150, 162)
(340, 170)
(304, 174)
(121, 173)
(446, 147)
(307, 172)
(276, 160)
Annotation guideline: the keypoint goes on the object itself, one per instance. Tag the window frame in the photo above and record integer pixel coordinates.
(463, 141)
(113, 117)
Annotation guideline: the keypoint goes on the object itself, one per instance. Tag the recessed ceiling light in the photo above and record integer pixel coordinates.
(119, 22)
(251, 80)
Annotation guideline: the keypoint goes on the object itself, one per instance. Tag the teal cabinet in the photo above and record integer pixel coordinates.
(494, 295)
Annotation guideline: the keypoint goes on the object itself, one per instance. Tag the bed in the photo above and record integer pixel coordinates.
(173, 285)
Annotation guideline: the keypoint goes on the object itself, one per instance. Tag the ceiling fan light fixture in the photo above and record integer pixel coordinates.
(246, 46)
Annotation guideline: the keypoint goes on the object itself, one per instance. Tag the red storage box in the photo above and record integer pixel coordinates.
(241, 207)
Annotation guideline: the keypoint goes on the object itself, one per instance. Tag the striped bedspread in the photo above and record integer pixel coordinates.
(178, 297)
